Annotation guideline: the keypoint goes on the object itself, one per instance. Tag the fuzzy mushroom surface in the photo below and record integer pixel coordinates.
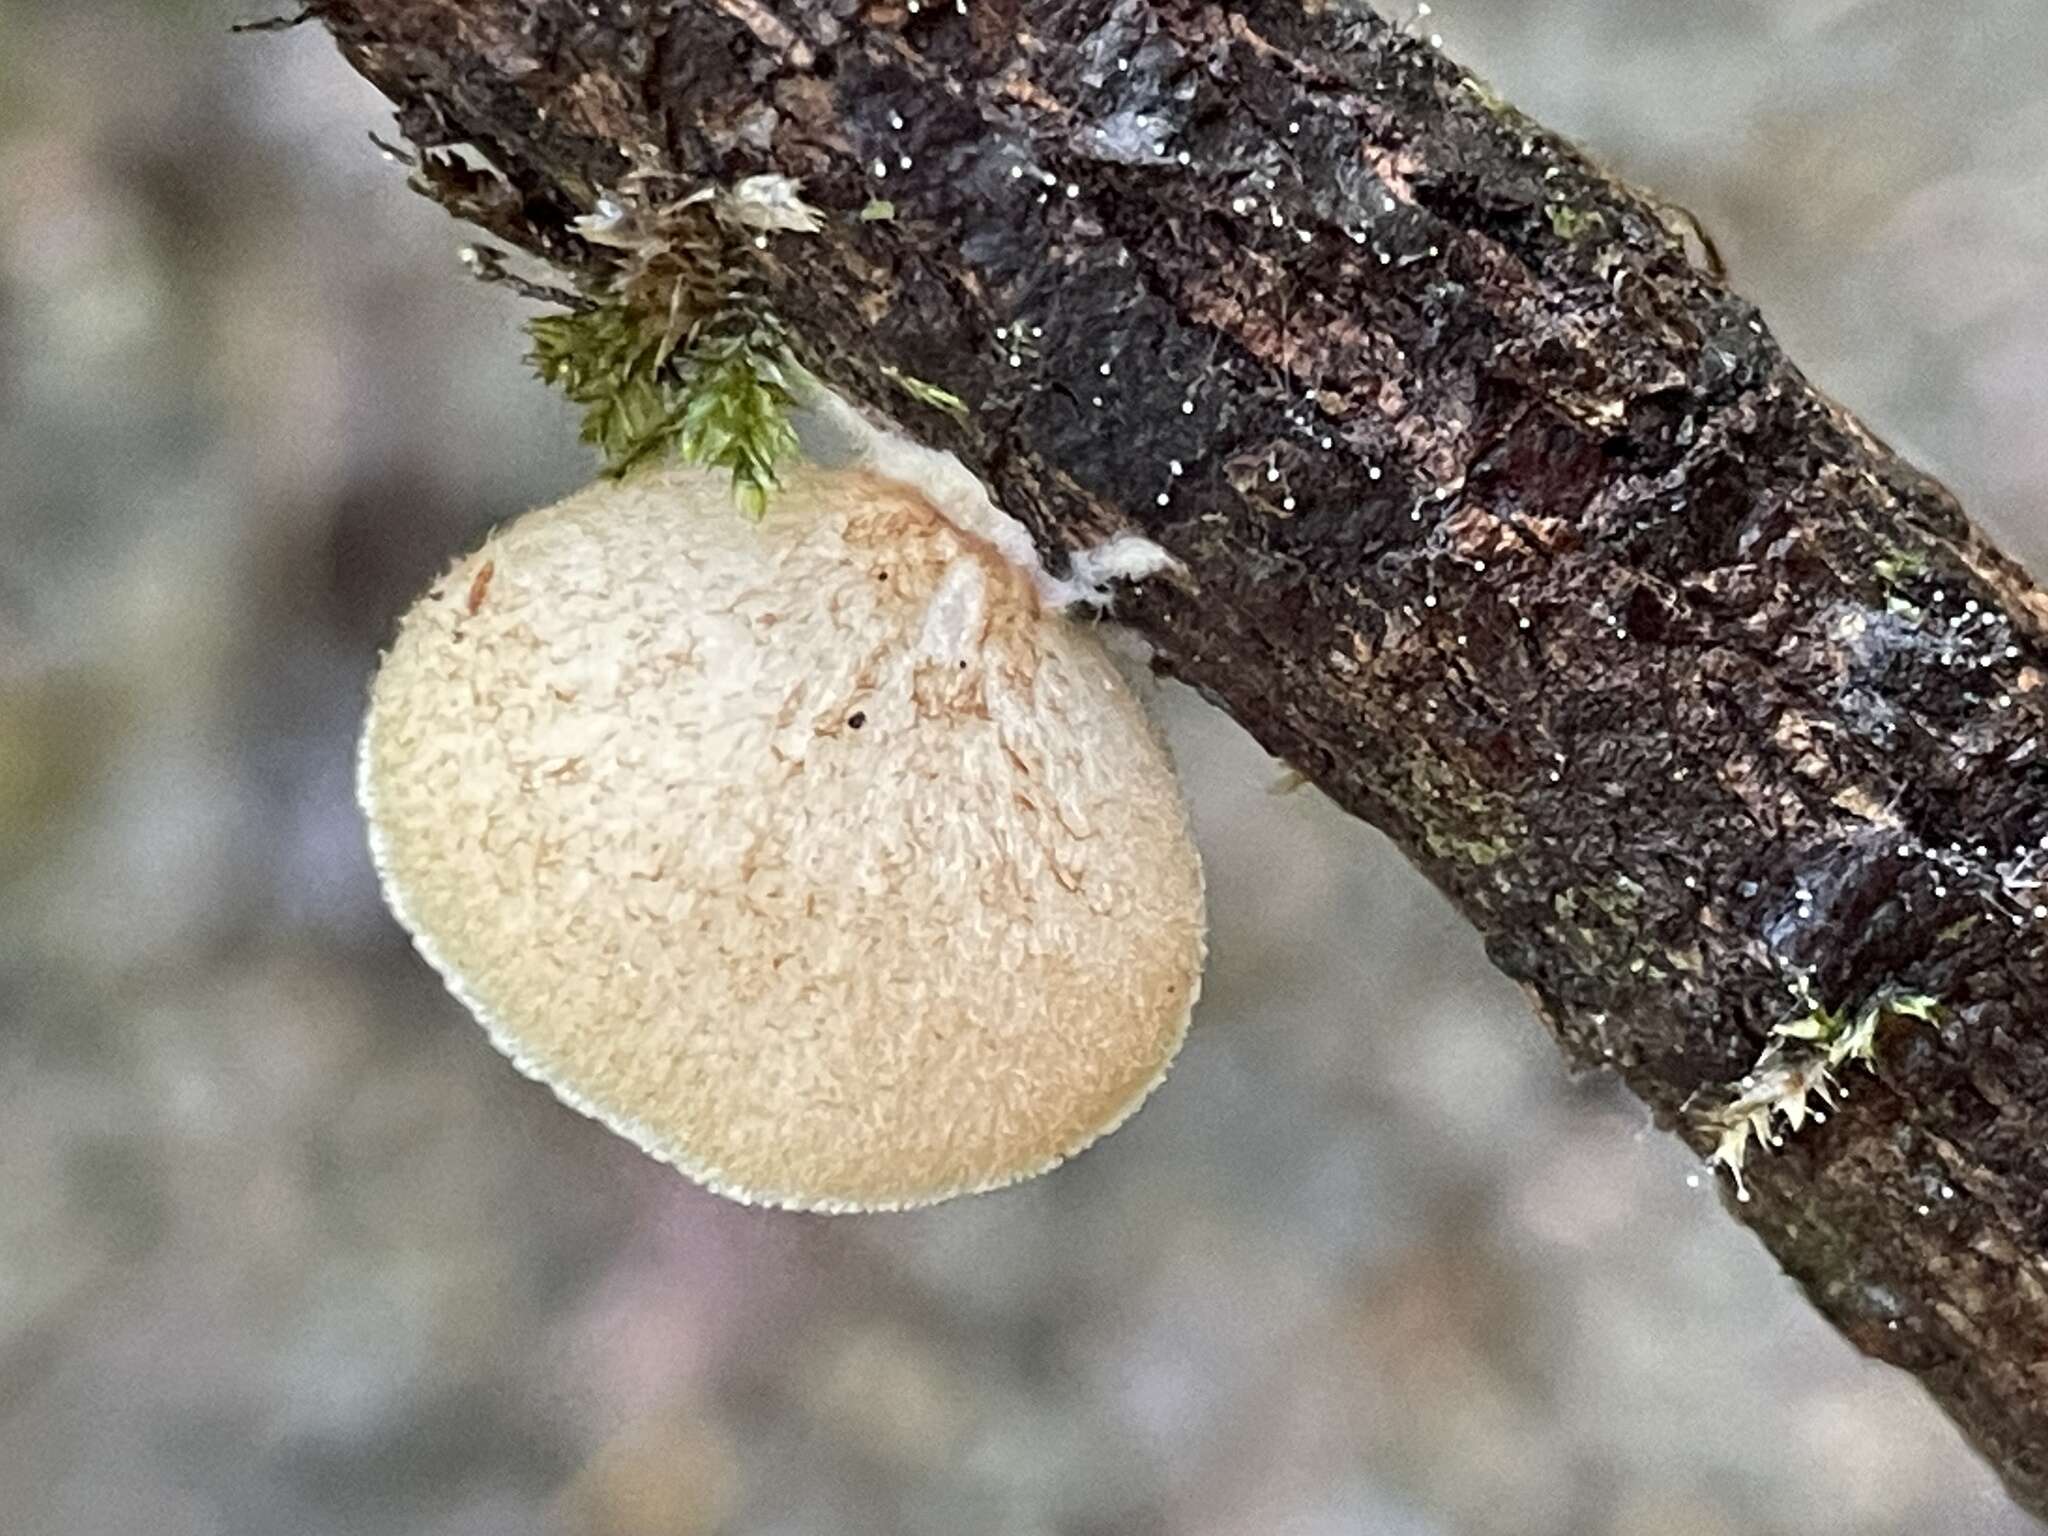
(816, 855)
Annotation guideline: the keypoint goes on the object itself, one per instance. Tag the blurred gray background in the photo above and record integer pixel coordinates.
(286, 1248)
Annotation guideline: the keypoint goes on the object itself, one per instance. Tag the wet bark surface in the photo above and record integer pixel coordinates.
(1501, 519)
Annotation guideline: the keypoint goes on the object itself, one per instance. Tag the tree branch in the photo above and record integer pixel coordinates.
(1502, 520)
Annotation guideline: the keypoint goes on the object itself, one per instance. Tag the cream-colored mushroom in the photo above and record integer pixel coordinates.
(815, 855)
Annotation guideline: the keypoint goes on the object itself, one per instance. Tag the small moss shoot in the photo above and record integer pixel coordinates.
(607, 362)
(926, 394)
(1799, 1067)
(679, 351)
(722, 399)
(736, 412)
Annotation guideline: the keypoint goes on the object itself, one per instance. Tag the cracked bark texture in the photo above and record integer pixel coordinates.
(1502, 520)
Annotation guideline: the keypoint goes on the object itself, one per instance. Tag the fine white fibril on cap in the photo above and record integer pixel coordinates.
(815, 855)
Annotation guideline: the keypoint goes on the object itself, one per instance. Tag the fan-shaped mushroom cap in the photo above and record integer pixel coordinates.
(814, 855)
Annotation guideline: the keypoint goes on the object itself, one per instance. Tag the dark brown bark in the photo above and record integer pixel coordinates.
(1503, 521)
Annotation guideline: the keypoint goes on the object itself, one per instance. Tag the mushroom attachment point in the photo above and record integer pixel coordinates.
(815, 855)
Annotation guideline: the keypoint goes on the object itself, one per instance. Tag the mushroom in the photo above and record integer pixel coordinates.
(816, 855)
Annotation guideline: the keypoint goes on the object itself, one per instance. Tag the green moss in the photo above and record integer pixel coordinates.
(677, 348)
(605, 360)
(1847, 1035)
(1798, 1068)
(718, 396)
(736, 404)
(926, 394)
